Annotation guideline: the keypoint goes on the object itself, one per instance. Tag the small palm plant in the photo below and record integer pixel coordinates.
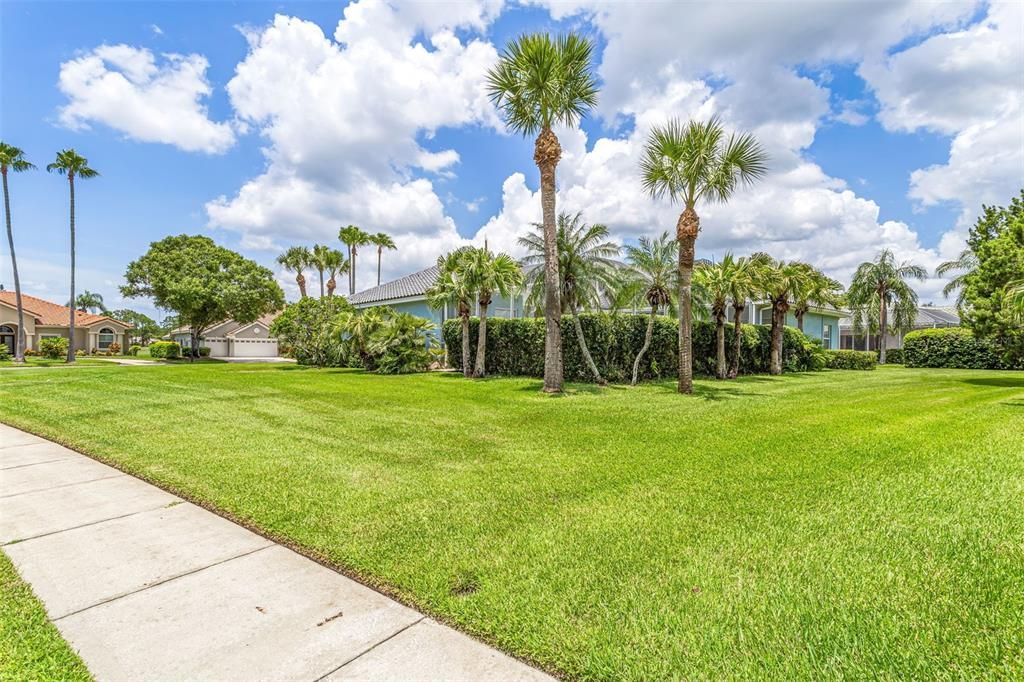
(334, 262)
(353, 237)
(653, 265)
(780, 282)
(742, 285)
(716, 281)
(382, 240)
(880, 287)
(12, 159)
(88, 301)
(486, 273)
(586, 270)
(819, 290)
(540, 82)
(452, 288)
(296, 259)
(692, 163)
(70, 164)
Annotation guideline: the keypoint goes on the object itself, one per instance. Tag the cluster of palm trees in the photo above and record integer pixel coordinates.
(71, 165)
(325, 260)
(469, 275)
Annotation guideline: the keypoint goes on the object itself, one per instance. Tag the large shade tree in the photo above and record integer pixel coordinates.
(539, 82)
(452, 287)
(353, 237)
(382, 240)
(296, 259)
(653, 268)
(693, 163)
(12, 160)
(487, 273)
(203, 283)
(881, 298)
(72, 165)
(586, 270)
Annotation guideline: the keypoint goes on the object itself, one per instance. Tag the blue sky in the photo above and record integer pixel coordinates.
(843, 186)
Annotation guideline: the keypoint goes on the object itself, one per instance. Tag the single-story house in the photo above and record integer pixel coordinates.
(927, 317)
(44, 319)
(409, 295)
(230, 339)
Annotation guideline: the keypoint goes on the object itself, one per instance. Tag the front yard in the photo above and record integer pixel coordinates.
(839, 524)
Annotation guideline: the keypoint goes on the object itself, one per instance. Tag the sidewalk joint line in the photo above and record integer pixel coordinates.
(63, 485)
(33, 464)
(84, 525)
(363, 653)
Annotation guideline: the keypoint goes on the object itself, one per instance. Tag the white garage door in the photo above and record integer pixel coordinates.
(254, 348)
(218, 347)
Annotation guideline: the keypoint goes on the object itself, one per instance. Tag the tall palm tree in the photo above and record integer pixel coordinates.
(965, 264)
(586, 269)
(653, 262)
(334, 262)
(538, 82)
(69, 163)
(13, 159)
(353, 237)
(383, 241)
(880, 287)
(320, 254)
(486, 273)
(780, 282)
(691, 163)
(716, 280)
(88, 301)
(452, 287)
(296, 259)
(818, 290)
(742, 285)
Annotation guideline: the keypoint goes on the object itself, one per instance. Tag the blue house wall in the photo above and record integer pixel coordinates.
(820, 326)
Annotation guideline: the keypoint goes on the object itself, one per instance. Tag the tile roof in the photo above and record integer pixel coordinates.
(927, 316)
(415, 284)
(52, 315)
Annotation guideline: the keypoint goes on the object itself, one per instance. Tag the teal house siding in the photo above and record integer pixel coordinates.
(817, 325)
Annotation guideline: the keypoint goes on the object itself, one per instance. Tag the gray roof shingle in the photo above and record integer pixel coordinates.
(415, 284)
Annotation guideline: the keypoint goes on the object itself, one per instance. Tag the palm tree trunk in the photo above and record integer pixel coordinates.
(467, 370)
(352, 274)
(301, 281)
(883, 325)
(71, 314)
(686, 233)
(583, 347)
(647, 344)
(800, 321)
(321, 283)
(720, 363)
(19, 339)
(737, 341)
(481, 343)
(331, 286)
(778, 321)
(379, 250)
(547, 152)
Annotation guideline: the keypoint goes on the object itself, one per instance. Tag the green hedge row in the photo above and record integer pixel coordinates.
(165, 349)
(951, 347)
(516, 347)
(851, 359)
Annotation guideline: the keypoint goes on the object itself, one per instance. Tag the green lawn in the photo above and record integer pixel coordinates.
(30, 646)
(835, 524)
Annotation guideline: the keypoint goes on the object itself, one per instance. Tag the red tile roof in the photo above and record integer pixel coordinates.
(52, 315)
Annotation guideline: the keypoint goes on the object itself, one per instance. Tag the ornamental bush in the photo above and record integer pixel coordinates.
(516, 347)
(852, 359)
(893, 356)
(951, 347)
(54, 347)
(165, 349)
(5, 352)
(134, 349)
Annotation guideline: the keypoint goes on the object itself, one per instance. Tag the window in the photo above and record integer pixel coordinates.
(106, 337)
(826, 336)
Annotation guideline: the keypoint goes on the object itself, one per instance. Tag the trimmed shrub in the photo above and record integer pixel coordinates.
(516, 347)
(5, 352)
(134, 349)
(893, 356)
(165, 349)
(951, 347)
(54, 347)
(204, 352)
(851, 359)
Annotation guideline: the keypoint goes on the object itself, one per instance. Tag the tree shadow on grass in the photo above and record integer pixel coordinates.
(1000, 382)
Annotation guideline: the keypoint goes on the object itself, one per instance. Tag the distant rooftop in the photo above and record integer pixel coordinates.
(927, 316)
(415, 284)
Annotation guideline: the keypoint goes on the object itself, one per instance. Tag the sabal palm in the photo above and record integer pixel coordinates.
(319, 255)
(70, 164)
(452, 287)
(538, 82)
(353, 237)
(965, 264)
(296, 259)
(742, 285)
(653, 270)
(383, 241)
(716, 279)
(486, 273)
(12, 159)
(779, 282)
(334, 262)
(880, 287)
(691, 163)
(586, 270)
(818, 290)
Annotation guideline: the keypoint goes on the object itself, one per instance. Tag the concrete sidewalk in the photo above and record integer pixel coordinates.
(146, 586)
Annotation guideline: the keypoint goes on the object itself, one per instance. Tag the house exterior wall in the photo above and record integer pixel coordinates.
(819, 326)
(9, 317)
